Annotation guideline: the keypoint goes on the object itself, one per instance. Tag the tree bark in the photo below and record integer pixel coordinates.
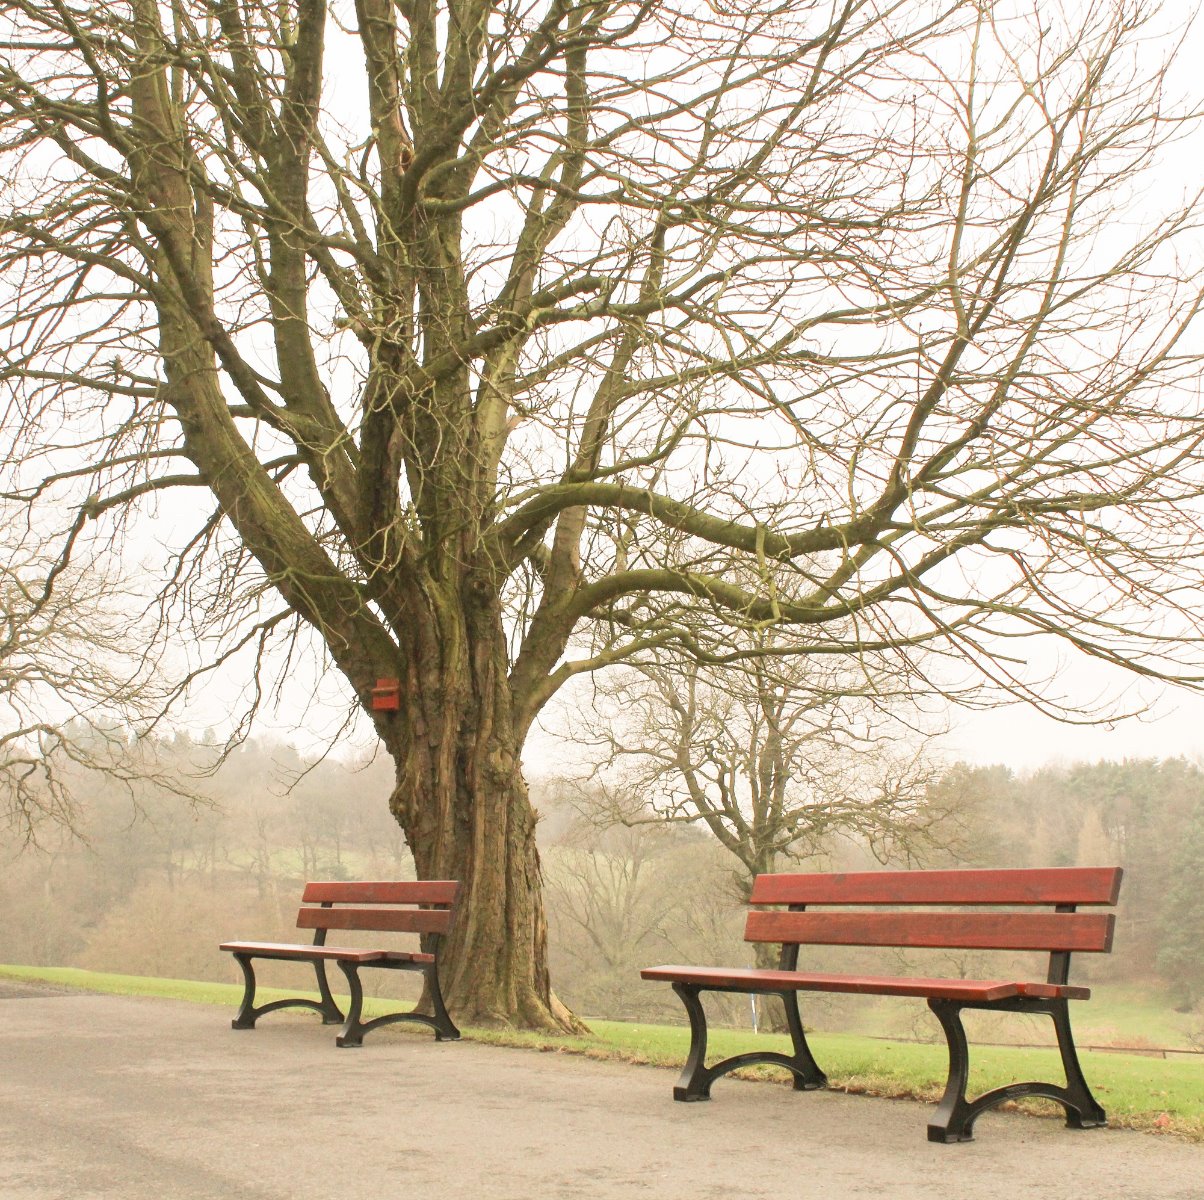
(462, 802)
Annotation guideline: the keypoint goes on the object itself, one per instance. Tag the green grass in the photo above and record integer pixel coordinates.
(1120, 1015)
(1163, 1095)
(1123, 1015)
(1138, 1092)
(168, 989)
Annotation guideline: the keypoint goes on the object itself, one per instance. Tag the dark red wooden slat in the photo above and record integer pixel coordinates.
(405, 956)
(396, 920)
(308, 953)
(962, 930)
(750, 979)
(304, 953)
(1050, 991)
(1055, 885)
(423, 891)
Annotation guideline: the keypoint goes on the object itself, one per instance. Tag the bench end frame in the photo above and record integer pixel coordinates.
(696, 1077)
(354, 1029)
(955, 1115)
(248, 1013)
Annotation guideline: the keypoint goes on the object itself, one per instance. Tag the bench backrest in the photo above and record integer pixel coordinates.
(424, 906)
(1061, 931)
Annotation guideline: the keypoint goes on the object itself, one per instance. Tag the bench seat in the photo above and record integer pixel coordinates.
(311, 953)
(748, 979)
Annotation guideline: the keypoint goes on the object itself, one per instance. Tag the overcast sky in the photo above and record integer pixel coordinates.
(1021, 737)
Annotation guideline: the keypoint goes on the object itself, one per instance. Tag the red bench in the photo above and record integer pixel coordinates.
(1058, 932)
(424, 907)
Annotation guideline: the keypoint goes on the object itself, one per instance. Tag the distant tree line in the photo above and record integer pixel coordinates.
(1146, 814)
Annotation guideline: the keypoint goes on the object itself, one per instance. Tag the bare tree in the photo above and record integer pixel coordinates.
(614, 900)
(620, 898)
(77, 687)
(774, 758)
(549, 306)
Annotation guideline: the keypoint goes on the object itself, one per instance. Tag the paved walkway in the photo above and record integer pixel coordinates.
(104, 1096)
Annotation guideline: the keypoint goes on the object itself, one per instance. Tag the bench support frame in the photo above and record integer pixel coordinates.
(954, 1118)
(354, 1029)
(248, 1013)
(697, 1077)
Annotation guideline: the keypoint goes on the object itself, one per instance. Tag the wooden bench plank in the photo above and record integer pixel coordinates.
(750, 979)
(406, 956)
(961, 930)
(1016, 886)
(422, 891)
(291, 950)
(309, 952)
(392, 920)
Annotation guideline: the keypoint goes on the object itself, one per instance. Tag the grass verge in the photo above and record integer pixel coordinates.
(1153, 1094)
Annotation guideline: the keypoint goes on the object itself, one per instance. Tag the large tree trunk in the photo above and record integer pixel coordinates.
(496, 958)
(463, 804)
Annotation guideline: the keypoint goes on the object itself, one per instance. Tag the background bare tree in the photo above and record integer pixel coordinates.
(613, 899)
(553, 305)
(77, 686)
(777, 756)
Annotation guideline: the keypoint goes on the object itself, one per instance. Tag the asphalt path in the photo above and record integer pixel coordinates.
(105, 1096)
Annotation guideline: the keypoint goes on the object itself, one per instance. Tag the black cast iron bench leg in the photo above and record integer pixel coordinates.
(445, 1027)
(697, 1077)
(352, 1033)
(331, 1015)
(1083, 1111)
(354, 1027)
(248, 1014)
(955, 1115)
(808, 1077)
